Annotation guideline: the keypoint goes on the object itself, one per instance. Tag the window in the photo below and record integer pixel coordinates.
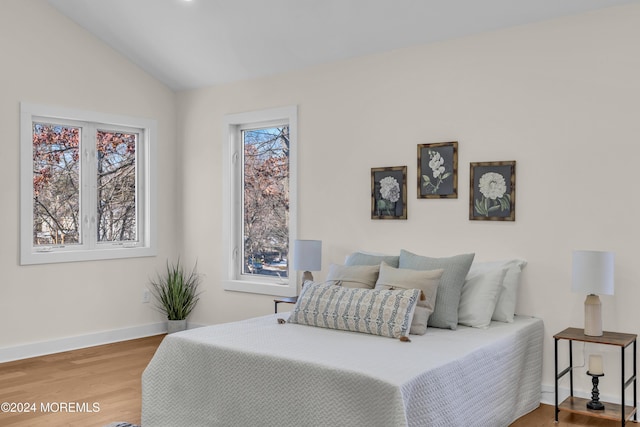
(86, 182)
(260, 200)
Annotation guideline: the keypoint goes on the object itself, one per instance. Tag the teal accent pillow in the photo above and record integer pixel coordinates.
(445, 313)
(362, 258)
(379, 312)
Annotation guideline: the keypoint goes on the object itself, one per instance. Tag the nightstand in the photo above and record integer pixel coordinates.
(578, 405)
(286, 300)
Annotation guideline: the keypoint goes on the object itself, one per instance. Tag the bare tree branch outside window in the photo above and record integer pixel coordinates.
(56, 185)
(266, 201)
(116, 186)
(56, 178)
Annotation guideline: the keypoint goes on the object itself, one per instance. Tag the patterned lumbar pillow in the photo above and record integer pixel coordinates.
(378, 312)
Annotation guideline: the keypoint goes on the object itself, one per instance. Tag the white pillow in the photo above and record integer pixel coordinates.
(479, 297)
(506, 306)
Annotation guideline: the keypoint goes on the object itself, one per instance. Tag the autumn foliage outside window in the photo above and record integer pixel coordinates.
(116, 175)
(266, 201)
(58, 185)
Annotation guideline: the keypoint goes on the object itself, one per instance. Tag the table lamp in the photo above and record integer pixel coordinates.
(593, 275)
(307, 257)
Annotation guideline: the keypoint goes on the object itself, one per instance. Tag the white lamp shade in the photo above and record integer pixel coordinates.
(593, 272)
(307, 255)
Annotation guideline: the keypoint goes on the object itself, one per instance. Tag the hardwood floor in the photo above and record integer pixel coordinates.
(109, 376)
(544, 416)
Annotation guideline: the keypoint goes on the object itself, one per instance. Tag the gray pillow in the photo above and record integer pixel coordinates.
(362, 258)
(353, 276)
(445, 314)
(425, 280)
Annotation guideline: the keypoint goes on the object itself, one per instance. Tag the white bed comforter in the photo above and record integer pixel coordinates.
(260, 373)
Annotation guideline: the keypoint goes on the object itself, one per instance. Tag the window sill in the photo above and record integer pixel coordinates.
(257, 287)
(29, 258)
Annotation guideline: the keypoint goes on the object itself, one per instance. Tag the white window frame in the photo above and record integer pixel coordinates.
(88, 249)
(234, 279)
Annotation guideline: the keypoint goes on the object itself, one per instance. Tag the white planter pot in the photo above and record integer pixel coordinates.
(176, 325)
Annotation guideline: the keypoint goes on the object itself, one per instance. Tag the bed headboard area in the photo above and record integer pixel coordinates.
(455, 290)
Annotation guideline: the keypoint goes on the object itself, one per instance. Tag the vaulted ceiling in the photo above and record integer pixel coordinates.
(196, 43)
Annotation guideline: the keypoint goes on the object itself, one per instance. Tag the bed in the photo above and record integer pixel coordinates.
(356, 351)
(259, 372)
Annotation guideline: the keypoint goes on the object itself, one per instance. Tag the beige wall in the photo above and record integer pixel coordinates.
(560, 98)
(46, 59)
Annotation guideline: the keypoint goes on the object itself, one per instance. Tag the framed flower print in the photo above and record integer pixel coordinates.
(438, 170)
(389, 193)
(492, 195)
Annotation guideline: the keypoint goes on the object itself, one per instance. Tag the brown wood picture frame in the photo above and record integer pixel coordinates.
(438, 170)
(389, 192)
(492, 193)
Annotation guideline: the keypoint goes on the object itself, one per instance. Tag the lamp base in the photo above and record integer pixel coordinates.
(595, 403)
(597, 406)
(593, 316)
(307, 276)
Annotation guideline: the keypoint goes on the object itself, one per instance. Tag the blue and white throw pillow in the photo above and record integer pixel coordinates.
(373, 311)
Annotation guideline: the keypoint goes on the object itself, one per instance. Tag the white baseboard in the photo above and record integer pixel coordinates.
(548, 394)
(42, 348)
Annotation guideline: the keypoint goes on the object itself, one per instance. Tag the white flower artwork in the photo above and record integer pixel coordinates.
(390, 189)
(389, 193)
(492, 185)
(437, 170)
(493, 195)
(436, 163)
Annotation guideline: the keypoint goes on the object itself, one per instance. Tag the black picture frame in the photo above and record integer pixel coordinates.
(389, 192)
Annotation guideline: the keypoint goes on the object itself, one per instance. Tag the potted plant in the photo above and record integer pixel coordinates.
(176, 294)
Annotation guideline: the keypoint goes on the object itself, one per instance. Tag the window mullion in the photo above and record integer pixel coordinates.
(88, 195)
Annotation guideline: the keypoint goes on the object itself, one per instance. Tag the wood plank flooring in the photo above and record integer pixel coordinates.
(544, 416)
(109, 375)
